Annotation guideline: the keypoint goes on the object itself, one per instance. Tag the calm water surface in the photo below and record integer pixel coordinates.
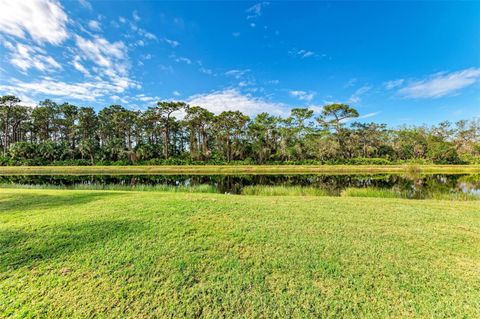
(415, 187)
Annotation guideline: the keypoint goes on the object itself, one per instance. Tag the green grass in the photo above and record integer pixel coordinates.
(371, 192)
(265, 190)
(84, 254)
(241, 169)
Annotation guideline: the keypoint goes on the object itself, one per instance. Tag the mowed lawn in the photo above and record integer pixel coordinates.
(116, 254)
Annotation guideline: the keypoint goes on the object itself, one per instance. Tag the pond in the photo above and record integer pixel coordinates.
(416, 187)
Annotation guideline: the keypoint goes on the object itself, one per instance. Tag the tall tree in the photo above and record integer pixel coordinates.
(334, 116)
(7, 105)
(229, 127)
(44, 121)
(199, 121)
(68, 123)
(164, 112)
(87, 130)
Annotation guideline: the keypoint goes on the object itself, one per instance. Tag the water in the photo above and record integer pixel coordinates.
(414, 187)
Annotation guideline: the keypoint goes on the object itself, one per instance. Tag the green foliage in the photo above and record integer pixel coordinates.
(117, 135)
(371, 192)
(263, 190)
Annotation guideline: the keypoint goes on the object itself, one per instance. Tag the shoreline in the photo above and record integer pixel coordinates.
(239, 169)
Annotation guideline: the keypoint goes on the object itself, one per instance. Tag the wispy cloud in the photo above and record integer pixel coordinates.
(302, 53)
(172, 43)
(237, 74)
(255, 11)
(441, 84)
(166, 68)
(85, 4)
(361, 117)
(204, 70)
(44, 21)
(368, 115)
(357, 95)
(79, 66)
(94, 25)
(350, 83)
(303, 95)
(26, 57)
(393, 84)
(145, 98)
(182, 59)
(135, 16)
(88, 91)
(104, 64)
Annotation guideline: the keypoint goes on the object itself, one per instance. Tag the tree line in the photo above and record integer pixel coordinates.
(52, 133)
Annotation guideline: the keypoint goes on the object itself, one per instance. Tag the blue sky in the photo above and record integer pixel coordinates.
(396, 62)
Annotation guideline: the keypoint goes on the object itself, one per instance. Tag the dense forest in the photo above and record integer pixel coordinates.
(65, 134)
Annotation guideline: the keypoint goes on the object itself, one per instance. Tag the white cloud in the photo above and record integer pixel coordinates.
(105, 64)
(393, 84)
(350, 83)
(441, 84)
(150, 36)
(79, 67)
(135, 16)
(303, 95)
(145, 98)
(205, 70)
(245, 83)
(182, 59)
(85, 4)
(365, 116)
(25, 57)
(88, 91)
(368, 115)
(357, 95)
(94, 25)
(173, 43)
(103, 53)
(166, 68)
(233, 100)
(43, 20)
(237, 74)
(256, 10)
(236, 34)
(301, 53)
(119, 98)
(176, 93)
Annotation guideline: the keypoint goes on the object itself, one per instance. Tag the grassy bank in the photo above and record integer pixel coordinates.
(241, 169)
(150, 254)
(119, 187)
(392, 193)
(264, 190)
(258, 190)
